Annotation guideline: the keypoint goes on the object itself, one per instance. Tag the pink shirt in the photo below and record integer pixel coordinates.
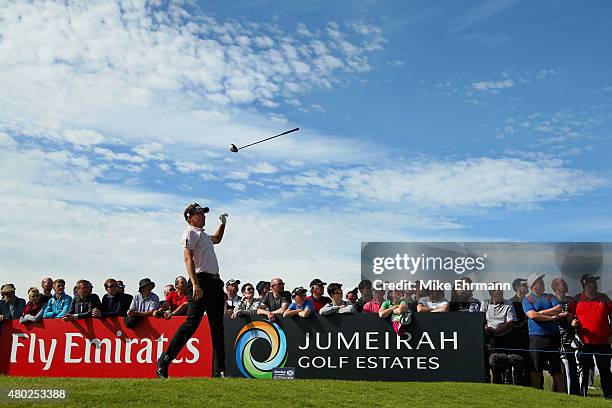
(373, 306)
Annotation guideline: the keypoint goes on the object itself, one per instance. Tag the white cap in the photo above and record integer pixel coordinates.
(532, 278)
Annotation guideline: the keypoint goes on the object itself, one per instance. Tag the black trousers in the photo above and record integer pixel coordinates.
(211, 302)
(603, 364)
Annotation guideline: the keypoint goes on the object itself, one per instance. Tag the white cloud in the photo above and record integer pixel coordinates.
(113, 156)
(130, 55)
(82, 136)
(6, 140)
(264, 168)
(139, 74)
(236, 186)
(493, 85)
(477, 182)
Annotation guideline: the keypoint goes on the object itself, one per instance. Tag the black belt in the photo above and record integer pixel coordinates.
(208, 275)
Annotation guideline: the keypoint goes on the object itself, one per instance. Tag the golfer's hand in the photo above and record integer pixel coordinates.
(223, 218)
(197, 292)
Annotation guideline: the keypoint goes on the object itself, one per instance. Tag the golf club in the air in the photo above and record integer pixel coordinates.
(235, 149)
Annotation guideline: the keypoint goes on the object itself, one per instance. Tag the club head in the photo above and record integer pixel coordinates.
(233, 148)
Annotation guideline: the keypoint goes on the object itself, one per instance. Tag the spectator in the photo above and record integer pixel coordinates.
(365, 288)
(520, 332)
(420, 291)
(543, 313)
(568, 336)
(276, 301)
(591, 314)
(351, 297)
(84, 303)
(337, 305)
(120, 286)
(500, 316)
(248, 304)
(316, 294)
(46, 285)
(175, 303)
(144, 304)
(58, 305)
(114, 302)
(434, 302)
(398, 310)
(33, 311)
(121, 289)
(167, 289)
(231, 288)
(262, 287)
(11, 306)
(373, 306)
(301, 306)
(462, 300)
(410, 296)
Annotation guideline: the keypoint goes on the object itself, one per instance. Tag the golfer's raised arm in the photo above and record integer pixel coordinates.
(218, 236)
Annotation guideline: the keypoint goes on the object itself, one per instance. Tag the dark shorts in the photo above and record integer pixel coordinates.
(549, 357)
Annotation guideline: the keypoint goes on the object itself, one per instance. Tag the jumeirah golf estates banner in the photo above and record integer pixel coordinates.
(442, 347)
(100, 348)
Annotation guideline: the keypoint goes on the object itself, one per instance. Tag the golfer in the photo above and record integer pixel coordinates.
(204, 289)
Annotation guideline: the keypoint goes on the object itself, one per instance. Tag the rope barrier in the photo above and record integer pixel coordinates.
(551, 351)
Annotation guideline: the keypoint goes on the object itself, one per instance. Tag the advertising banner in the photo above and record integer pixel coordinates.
(100, 348)
(438, 347)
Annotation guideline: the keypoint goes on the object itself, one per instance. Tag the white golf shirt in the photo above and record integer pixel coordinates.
(203, 251)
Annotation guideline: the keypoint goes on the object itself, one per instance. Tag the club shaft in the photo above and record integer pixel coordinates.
(272, 137)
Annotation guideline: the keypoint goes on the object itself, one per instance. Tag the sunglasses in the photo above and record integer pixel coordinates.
(248, 289)
(111, 286)
(338, 292)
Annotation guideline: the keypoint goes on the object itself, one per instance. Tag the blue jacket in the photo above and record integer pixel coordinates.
(57, 307)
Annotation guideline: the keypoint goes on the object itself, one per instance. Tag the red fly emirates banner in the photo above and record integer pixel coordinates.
(100, 348)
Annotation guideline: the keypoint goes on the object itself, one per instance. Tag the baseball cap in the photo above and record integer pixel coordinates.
(584, 279)
(316, 282)
(232, 282)
(532, 278)
(260, 285)
(194, 208)
(518, 282)
(145, 282)
(297, 291)
(7, 287)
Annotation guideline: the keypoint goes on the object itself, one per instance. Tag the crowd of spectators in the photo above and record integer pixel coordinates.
(528, 334)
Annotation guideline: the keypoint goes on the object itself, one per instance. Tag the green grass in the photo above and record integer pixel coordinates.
(235, 392)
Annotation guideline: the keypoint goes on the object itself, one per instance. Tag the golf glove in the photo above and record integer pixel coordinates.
(223, 218)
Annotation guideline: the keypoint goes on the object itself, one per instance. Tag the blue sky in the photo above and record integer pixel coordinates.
(457, 121)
